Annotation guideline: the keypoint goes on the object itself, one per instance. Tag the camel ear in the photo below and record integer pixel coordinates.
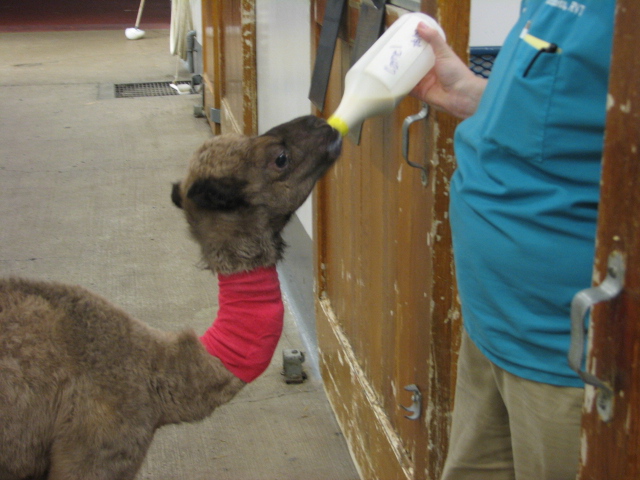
(175, 195)
(218, 193)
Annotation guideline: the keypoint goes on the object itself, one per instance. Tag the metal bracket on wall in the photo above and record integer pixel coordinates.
(333, 12)
(370, 25)
(214, 115)
(416, 406)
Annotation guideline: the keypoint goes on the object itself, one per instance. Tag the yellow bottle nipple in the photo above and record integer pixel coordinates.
(338, 124)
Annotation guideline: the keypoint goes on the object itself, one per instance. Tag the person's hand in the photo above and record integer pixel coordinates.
(450, 85)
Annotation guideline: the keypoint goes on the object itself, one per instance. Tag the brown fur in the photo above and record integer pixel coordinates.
(83, 385)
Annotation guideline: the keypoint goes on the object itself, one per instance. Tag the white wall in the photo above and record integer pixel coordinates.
(491, 20)
(284, 69)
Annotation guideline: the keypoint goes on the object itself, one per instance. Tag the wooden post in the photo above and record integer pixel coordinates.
(612, 450)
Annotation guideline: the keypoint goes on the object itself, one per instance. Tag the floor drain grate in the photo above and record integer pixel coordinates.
(149, 89)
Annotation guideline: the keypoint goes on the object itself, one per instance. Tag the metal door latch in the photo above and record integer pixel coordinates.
(292, 361)
(580, 305)
(416, 406)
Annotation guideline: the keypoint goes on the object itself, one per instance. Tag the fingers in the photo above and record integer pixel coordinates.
(450, 85)
(420, 91)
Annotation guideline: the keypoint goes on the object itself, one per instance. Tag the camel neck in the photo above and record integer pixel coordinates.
(249, 321)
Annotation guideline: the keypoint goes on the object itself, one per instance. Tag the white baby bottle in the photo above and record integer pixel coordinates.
(386, 72)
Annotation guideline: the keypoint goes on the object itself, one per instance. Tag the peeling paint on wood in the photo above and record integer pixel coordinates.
(358, 399)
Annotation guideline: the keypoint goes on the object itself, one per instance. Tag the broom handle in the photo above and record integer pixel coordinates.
(139, 13)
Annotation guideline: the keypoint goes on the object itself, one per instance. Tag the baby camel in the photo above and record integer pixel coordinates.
(84, 386)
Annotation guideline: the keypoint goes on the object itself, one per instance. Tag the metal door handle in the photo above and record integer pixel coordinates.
(580, 305)
(421, 115)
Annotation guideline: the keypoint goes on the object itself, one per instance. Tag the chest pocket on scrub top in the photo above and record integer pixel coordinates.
(517, 116)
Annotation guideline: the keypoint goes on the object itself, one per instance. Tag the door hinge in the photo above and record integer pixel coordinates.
(214, 115)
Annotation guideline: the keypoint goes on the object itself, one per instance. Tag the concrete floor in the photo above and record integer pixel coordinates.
(85, 183)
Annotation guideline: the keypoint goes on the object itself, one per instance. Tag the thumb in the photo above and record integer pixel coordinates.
(433, 37)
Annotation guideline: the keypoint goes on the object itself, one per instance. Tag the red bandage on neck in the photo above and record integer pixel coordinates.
(249, 322)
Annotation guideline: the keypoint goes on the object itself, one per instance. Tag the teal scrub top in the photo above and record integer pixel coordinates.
(524, 196)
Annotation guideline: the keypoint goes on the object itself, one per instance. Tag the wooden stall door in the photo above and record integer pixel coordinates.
(611, 450)
(387, 314)
(229, 57)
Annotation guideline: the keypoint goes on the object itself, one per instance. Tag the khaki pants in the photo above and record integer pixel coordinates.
(506, 427)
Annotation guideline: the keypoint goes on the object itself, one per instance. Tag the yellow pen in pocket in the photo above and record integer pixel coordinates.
(536, 42)
(542, 46)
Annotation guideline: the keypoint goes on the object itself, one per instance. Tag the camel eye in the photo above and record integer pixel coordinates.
(282, 160)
